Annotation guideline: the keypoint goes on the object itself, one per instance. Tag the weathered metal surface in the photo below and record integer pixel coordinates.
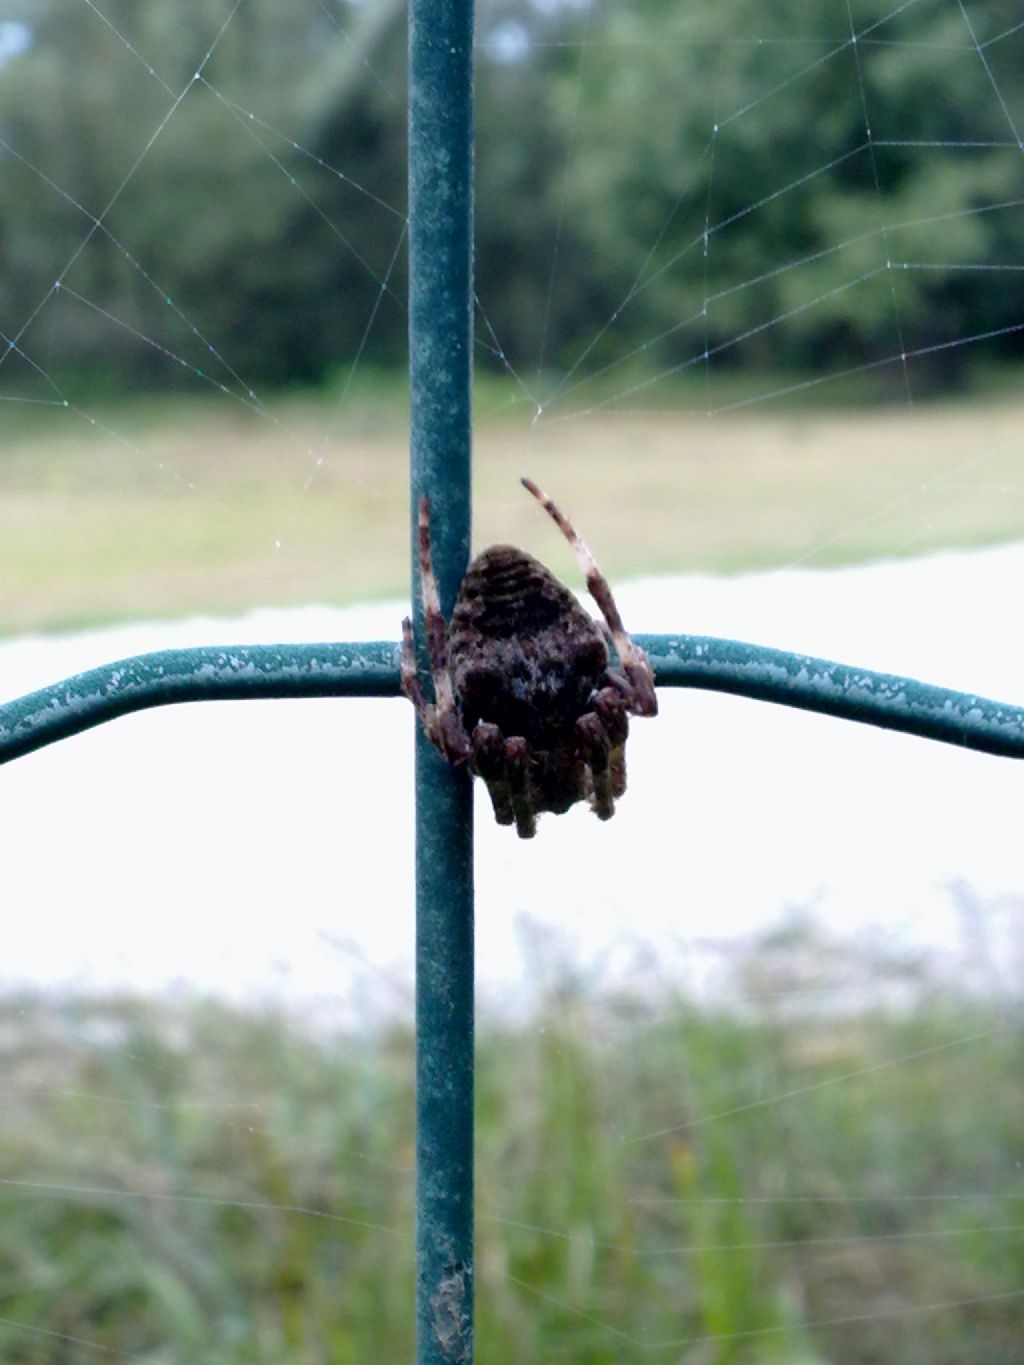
(881, 699)
(440, 355)
(236, 672)
(215, 673)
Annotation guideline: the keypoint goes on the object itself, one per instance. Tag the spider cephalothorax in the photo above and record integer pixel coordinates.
(523, 690)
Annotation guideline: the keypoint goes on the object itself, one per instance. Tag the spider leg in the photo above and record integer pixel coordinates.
(634, 661)
(617, 771)
(595, 747)
(488, 760)
(443, 726)
(413, 688)
(611, 709)
(517, 761)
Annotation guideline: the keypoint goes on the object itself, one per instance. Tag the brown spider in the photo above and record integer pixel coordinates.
(522, 686)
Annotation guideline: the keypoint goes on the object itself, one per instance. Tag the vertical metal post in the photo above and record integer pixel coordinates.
(440, 361)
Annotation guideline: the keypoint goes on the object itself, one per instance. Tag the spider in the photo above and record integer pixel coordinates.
(523, 690)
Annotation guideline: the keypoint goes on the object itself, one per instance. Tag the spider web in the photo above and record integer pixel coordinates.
(729, 1132)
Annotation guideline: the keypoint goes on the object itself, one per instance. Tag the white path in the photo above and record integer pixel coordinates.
(264, 848)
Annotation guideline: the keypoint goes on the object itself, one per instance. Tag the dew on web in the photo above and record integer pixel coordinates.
(113, 264)
(742, 303)
(732, 311)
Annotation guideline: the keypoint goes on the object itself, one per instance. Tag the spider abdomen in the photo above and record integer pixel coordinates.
(507, 592)
(523, 653)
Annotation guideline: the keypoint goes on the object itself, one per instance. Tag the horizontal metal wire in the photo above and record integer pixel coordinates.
(237, 672)
(228, 673)
(881, 699)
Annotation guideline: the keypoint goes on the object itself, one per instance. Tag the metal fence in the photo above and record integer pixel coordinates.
(440, 334)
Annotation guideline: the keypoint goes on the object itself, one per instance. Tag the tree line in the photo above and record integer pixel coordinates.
(653, 182)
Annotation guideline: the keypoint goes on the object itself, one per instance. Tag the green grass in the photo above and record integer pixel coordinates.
(194, 1184)
(166, 507)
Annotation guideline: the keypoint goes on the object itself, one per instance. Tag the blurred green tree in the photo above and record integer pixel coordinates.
(754, 181)
(266, 212)
(653, 182)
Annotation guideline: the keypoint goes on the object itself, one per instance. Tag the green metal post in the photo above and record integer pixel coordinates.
(440, 362)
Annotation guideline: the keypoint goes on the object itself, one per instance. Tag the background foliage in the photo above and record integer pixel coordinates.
(820, 1184)
(600, 178)
(175, 1173)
